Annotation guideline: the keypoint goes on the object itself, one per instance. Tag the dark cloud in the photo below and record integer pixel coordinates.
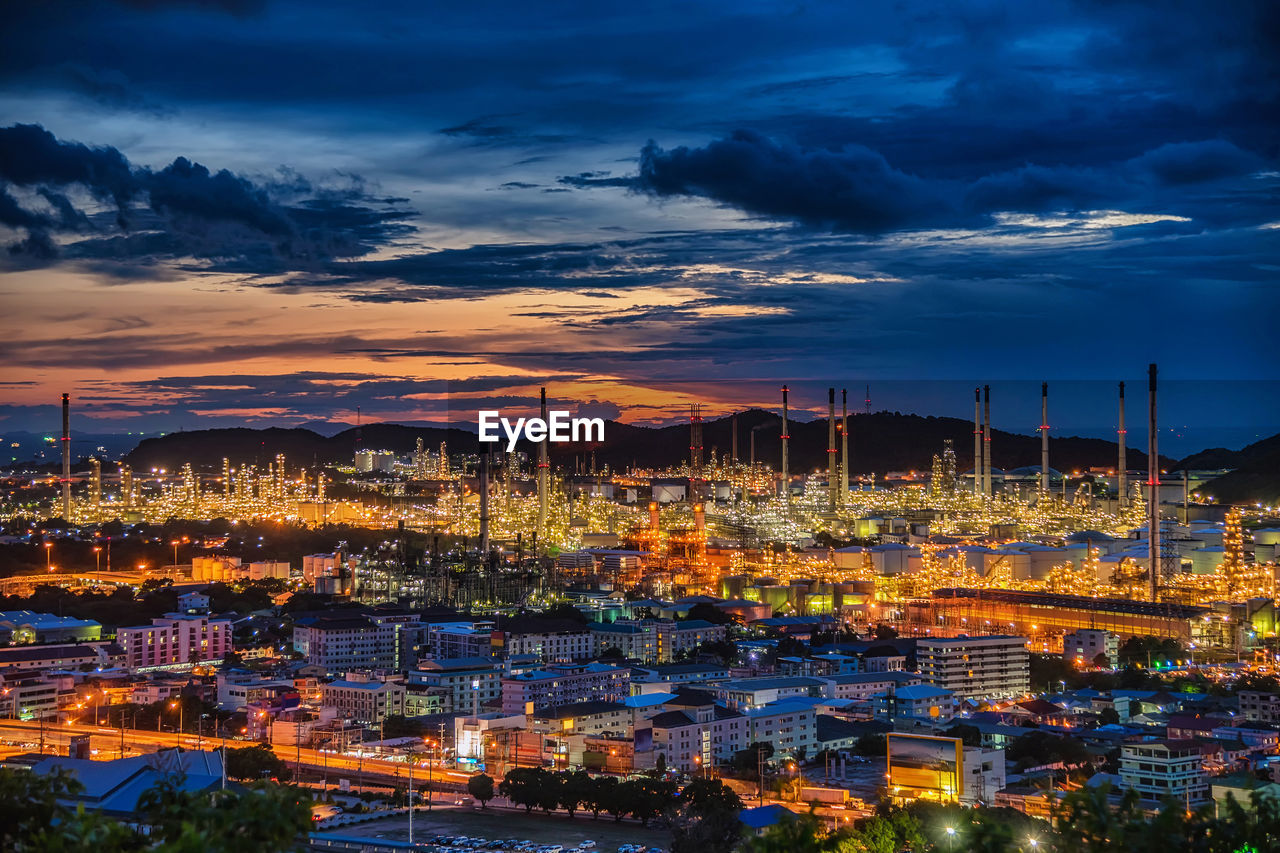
(856, 189)
(189, 210)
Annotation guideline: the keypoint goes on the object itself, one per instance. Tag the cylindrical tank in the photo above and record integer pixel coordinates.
(1206, 561)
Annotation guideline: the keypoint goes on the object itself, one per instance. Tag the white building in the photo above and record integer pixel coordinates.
(1157, 769)
(976, 667)
(363, 698)
(1081, 647)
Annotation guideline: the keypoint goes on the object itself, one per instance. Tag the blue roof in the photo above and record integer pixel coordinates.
(762, 816)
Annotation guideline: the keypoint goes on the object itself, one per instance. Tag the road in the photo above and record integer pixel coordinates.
(109, 743)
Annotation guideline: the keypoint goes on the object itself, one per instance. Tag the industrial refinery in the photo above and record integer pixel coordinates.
(1029, 551)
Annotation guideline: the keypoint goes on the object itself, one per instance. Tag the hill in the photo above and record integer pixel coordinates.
(1256, 474)
(879, 442)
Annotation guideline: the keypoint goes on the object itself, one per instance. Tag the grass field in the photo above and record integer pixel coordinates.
(555, 828)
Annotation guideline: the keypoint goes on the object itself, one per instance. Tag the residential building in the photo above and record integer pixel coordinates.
(552, 640)
(916, 703)
(465, 685)
(976, 667)
(175, 640)
(1082, 647)
(564, 684)
(74, 656)
(363, 698)
(236, 690)
(1159, 769)
(665, 676)
(459, 639)
(340, 642)
(862, 686)
(789, 726)
(746, 694)
(1259, 706)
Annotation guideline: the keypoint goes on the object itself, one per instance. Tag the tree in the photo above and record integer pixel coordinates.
(967, 733)
(749, 760)
(603, 794)
(575, 789)
(524, 786)
(480, 787)
(263, 817)
(256, 762)
(885, 632)
(1109, 717)
(706, 818)
(647, 797)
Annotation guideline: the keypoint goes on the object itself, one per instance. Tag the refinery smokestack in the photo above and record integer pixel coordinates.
(543, 473)
(734, 443)
(1122, 492)
(986, 441)
(1044, 439)
(844, 446)
(1153, 486)
(831, 450)
(66, 457)
(977, 440)
(486, 459)
(786, 475)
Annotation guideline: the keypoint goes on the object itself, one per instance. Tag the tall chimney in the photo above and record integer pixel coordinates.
(486, 459)
(1122, 488)
(66, 457)
(1044, 439)
(1153, 486)
(733, 457)
(844, 446)
(543, 472)
(977, 441)
(986, 441)
(95, 487)
(786, 473)
(831, 450)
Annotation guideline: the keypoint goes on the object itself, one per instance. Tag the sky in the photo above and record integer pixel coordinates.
(268, 212)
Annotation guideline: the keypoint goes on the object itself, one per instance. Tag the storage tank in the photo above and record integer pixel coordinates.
(732, 587)
(1017, 563)
(1267, 536)
(1206, 561)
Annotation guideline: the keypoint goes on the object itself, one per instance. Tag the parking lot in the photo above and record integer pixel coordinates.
(506, 825)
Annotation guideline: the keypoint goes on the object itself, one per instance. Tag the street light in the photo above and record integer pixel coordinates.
(48, 555)
(97, 558)
(181, 712)
(951, 835)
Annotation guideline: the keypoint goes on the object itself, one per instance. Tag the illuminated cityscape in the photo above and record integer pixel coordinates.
(557, 427)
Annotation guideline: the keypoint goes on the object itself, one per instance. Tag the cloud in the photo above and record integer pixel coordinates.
(856, 189)
(184, 210)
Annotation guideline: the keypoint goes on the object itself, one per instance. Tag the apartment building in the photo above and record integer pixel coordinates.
(861, 686)
(551, 640)
(1082, 647)
(463, 685)
(915, 703)
(175, 640)
(339, 642)
(363, 698)
(1157, 769)
(746, 694)
(564, 684)
(1259, 707)
(976, 667)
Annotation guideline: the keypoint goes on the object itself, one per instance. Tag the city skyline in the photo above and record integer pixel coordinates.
(646, 206)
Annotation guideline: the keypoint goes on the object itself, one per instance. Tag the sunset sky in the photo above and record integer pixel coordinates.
(272, 212)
